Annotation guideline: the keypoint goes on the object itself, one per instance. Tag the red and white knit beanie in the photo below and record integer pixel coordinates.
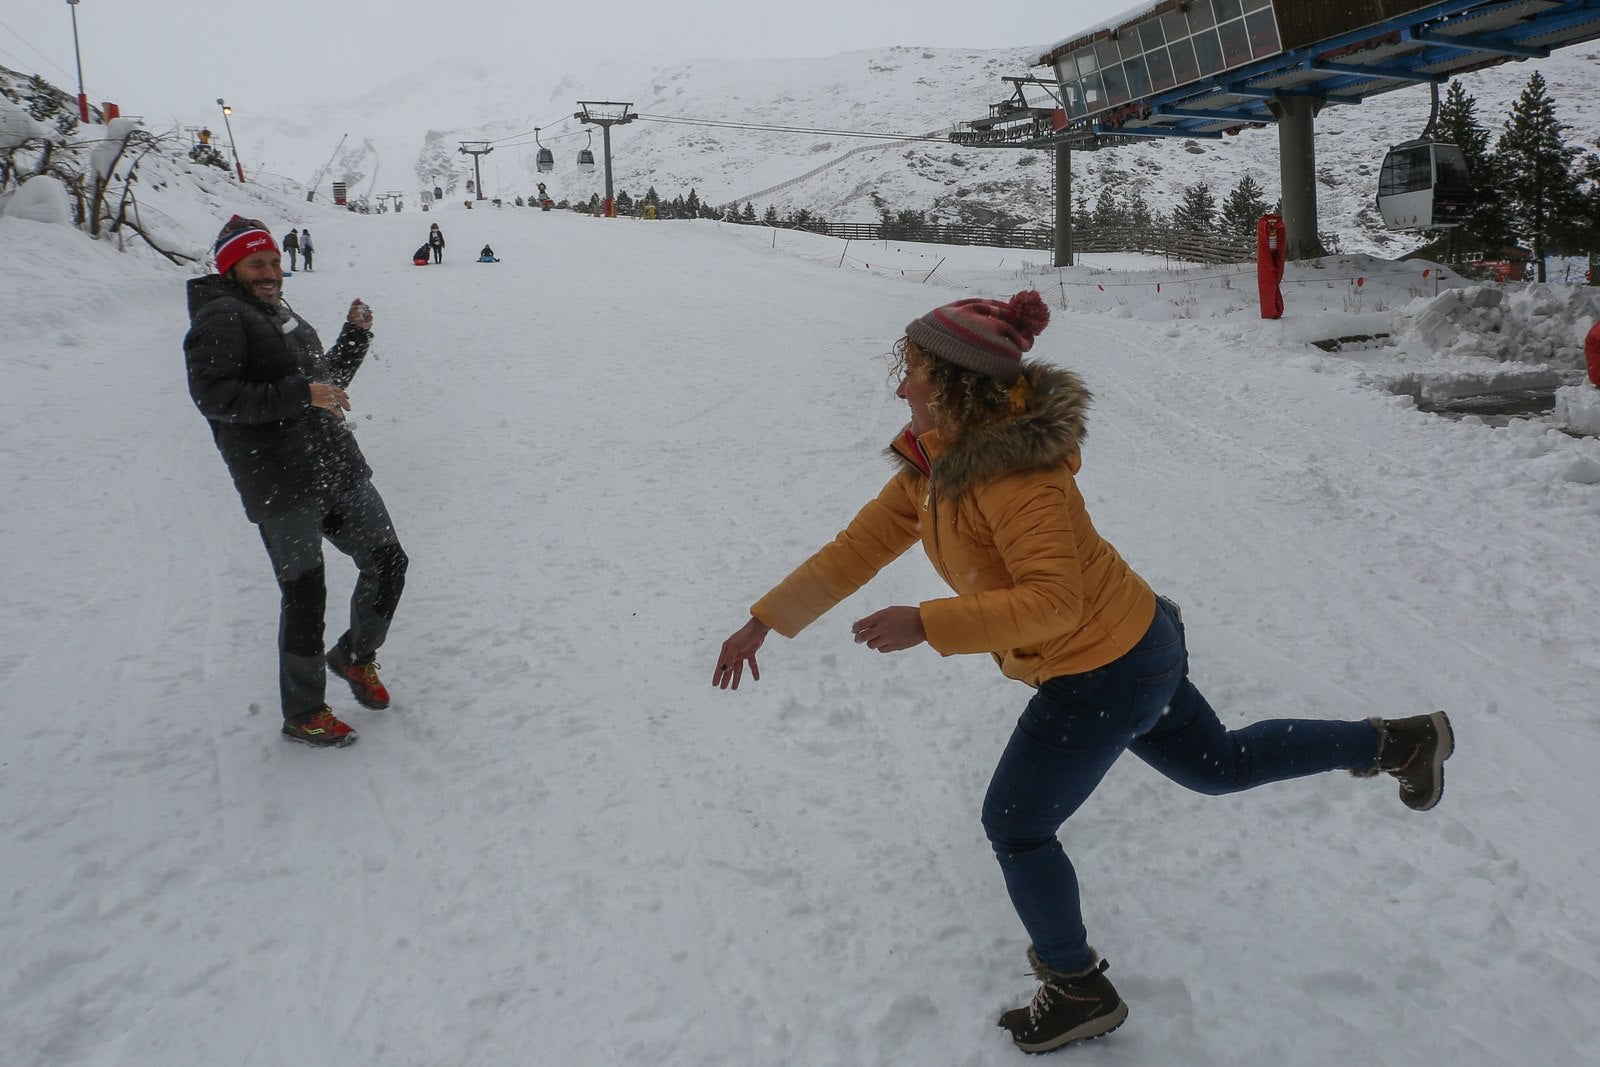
(986, 336)
(240, 237)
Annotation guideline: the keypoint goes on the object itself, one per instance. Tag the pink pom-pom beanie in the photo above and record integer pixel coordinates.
(986, 336)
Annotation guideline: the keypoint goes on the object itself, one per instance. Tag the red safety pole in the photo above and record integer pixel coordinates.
(1271, 242)
(83, 97)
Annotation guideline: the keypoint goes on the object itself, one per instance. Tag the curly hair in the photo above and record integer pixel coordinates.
(960, 398)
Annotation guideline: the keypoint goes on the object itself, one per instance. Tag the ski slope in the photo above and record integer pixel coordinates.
(561, 846)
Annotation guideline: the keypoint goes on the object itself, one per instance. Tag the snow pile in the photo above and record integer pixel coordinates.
(16, 125)
(1578, 409)
(109, 142)
(40, 198)
(1531, 323)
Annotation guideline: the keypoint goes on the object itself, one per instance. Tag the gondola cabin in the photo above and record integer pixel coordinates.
(585, 159)
(546, 160)
(1424, 185)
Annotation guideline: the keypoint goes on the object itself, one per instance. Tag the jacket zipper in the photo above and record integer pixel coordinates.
(938, 549)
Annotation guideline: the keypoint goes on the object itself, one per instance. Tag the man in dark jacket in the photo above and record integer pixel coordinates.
(276, 405)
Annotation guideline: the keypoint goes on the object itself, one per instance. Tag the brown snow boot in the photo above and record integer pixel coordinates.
(1413, 751)
(1067, 1007)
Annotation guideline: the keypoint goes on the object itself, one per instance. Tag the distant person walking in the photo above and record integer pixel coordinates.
(276, 402)
(305, 246)
(986, 483)
(291, 245)
(436, 242)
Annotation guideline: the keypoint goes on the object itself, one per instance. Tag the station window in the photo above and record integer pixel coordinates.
(1262, 28)
(1161, 76)
(1150, 37)
(1138, 76)
(1208, 52)
(1235, 43)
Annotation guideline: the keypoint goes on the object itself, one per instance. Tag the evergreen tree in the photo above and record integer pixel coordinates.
(800, 219)
(1140, 214)
(1589, 212)
(771, 217)
(1108, 214)
(1081, 219)
(624, 203)
(1458, 124)
(1242, 208)
(749, 212)
(910, 222)
(1197, 212)
(691, 206)
(1537, 178)
(651, 198)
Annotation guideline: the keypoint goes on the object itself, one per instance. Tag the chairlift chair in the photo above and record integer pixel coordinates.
(1424, 184)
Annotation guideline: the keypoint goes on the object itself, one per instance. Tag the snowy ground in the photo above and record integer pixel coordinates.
(561, 846)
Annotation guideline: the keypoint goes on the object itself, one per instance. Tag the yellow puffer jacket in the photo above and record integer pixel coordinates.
(1001, 519)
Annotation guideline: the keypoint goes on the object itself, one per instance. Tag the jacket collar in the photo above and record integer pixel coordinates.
(1049, 432)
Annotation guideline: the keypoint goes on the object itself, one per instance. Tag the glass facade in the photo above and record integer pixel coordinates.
(1165, 51)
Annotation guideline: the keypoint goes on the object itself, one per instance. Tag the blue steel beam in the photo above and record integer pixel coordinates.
(1477, 44)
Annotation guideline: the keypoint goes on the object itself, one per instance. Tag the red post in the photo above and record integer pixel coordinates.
(83, 108)
(1271, 247)
(1591, 354)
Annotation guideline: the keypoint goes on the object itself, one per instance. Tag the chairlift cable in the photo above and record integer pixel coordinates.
(730, 125)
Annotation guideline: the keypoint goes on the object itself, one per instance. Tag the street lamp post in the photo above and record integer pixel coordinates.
(83, 97)
(232, 146)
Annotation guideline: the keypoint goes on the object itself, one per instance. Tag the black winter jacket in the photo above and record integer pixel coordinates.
(251, 366)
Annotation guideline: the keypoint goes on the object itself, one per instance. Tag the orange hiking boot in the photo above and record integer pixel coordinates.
(321, 728)
(363, 679)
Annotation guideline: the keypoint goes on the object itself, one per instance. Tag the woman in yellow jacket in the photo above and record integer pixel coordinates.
(987, 483)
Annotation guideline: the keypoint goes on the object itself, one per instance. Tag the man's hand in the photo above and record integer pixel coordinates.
(360, 314)
(891, 629)
(330, 398)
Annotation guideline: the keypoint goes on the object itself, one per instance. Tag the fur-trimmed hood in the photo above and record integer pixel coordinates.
(1049, 433)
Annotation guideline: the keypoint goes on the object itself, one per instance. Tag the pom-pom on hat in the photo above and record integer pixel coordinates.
(986, 336)
(240, 237)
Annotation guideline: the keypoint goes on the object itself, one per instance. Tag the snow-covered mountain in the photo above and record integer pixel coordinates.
(404, 136)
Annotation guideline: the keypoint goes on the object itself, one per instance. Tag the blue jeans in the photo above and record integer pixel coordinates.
(1074, 729)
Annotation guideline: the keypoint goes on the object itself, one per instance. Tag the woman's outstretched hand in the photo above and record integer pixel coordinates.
(736, 650)
(891, 629)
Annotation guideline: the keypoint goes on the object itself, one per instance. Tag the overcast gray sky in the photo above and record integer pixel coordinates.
(175, 57)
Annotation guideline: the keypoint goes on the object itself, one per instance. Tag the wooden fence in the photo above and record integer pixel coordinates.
(1152, 240)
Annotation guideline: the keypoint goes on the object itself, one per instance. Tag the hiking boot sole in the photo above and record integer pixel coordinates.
(343, 742)
(1099, 1026)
